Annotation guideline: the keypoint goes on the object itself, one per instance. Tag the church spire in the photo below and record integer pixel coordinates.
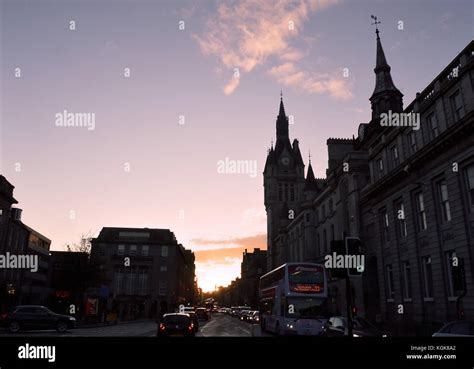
(283, 138)
(281, 113)
(386, 95)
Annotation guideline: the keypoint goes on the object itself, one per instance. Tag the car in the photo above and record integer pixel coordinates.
(459, 328)
(336, 326)
(192, 313)
(176, 324)
(244, 315)
(254, 317)
(238, 310)
(203, 314)
(36, 317)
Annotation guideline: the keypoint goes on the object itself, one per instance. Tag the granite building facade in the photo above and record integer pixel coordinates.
(405, 190)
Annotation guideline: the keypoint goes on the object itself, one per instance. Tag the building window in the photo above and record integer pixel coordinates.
(145, 250)
(292, 192)
(450, 258)
(427, 278)
(406, 280)
(457, 105)
(401, 219)
(390, 287)
(120, 249)
(286, 191)
(280, 192)
(324, 211)
(470, 185)
(308, 217)
(118, 281)
(163, 268)
(380, 167)
(325, 241)
(332, 232)
(444, 200)
(384, 226)
(433, 125)
(133, 250)
(164, 251)
(412, 142)
(420, 208)
(163, 288)
(395, 157)
(331, 206)
(318, 241)
(131, 282)
(143, 282)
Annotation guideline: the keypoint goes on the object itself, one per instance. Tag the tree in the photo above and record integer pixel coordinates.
(84, 244)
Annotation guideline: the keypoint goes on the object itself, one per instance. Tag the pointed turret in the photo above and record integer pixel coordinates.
(310, 183)
(386, 95)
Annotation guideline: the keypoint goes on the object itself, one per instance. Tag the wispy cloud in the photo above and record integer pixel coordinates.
(248, 34)
(232, 85)
(259, 241)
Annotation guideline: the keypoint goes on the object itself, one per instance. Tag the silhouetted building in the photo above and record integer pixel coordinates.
(70, 275)
(21, 285)
(418, 209)
(406, 190)
(146, 269)
(253, 266)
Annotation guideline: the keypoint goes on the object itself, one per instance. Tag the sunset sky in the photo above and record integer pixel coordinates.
(173, 168)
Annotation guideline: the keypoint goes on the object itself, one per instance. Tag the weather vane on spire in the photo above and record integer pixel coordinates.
(309, 155)
(281, 95)
(376, 23)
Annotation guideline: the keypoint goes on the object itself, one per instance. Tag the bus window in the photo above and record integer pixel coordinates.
(306, 308)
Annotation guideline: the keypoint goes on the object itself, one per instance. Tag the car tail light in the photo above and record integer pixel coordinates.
(4, 316)
(162, 326)
(191, 326)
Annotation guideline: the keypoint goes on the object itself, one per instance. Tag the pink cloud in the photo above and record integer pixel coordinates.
(246, 34)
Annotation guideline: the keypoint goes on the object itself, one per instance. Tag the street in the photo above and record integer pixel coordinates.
(221, 325)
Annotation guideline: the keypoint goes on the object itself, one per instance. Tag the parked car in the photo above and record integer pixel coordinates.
(336, 326)
(36, 317)
(254, 317)
(203, 314)
(176, 324)
(460, 328)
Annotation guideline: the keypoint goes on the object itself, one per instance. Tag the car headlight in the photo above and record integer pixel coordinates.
(384, 335)
(355, 335)
(72, 318)
(289, 326)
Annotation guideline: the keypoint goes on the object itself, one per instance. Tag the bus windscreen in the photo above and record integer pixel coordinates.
(306, 279)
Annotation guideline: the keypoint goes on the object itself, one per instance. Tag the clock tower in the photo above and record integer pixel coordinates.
(284, 182)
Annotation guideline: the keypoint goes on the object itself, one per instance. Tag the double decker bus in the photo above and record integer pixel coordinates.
(293, 299)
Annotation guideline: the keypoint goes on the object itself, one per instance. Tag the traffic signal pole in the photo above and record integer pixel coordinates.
(349, 307)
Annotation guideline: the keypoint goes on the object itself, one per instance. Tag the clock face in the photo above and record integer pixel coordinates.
(285, 160)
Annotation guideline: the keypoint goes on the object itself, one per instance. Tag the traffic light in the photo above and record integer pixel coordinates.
(354, 256)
